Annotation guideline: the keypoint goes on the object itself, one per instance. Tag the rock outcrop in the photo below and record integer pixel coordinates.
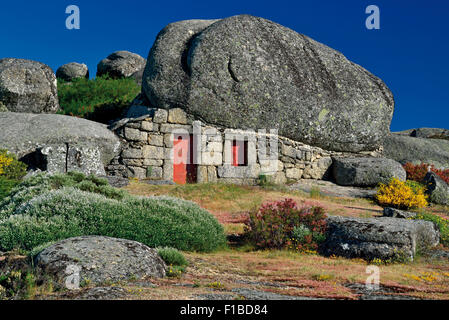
(416, 150)
(71, 71)
(120, 64)
(426, 133)
(436, 188)
(247, 72)
(366, 172)
(27, 86)
(58, 143)
(378, 238)
(396, 213)
(100, 260)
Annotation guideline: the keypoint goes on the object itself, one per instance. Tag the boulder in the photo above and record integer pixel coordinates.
(120, 64)
(426, 133)
(28, 86)
(247, 72)
(58, 143)
(100, 260)
(366, 172)
(436, 188)
(417, 150)
(396, 213)
(71, 71)
(378, 238)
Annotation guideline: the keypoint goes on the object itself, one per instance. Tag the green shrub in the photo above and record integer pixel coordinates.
(36, 213)
(10, 167)
(6, 186)
(43, 182)
(443, 225)
(101, 99)
(172, 256)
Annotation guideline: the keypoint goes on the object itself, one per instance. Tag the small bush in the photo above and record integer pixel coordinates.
(283, 224)
(419, 171)
(6, 186)
(101, 99)
(172, 256)
(400, 195)
(10, 167)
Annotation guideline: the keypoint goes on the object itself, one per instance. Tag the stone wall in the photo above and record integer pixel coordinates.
(149, 134)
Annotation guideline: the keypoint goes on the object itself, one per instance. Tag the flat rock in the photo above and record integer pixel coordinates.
(72, 71)
(331, 189)
(27, 86)
(426, 133)
(58, 143)
(378, 238)
(120, 64)
(396, 213)
(247, 72)
(366, 172)
(100, 260)
(416, 150)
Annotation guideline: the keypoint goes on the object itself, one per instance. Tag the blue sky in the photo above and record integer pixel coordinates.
(410, 52)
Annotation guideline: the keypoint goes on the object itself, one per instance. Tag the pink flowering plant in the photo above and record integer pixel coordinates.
(284, 224)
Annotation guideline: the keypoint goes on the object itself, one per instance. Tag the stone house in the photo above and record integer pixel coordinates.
(172, 145)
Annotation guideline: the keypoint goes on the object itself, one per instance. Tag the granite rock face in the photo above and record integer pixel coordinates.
(416, 150)
(120, 64)
(247, 72)
(27, 86)
(57, 143)
(100, 259)
(366, 172)
(378, 238)
(71, 71)
(436, 188)
(426, 133)
(396, 213)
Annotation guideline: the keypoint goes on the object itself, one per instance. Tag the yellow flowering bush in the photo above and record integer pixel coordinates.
(400, 195)
(5, 161)
(10, 167)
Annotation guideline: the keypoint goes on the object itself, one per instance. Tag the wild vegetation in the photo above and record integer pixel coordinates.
(47, 208)
(418, 172)
(11, 172)
(101, 99)
(401, 195)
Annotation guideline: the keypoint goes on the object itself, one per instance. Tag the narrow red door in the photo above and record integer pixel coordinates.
(180, 157)
(235, 153)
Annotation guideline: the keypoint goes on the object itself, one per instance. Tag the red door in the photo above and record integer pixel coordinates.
(184, 170)
(180, 156)
(239, 153)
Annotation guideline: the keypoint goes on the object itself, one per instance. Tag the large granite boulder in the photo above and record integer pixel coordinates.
(27, 86)
(58, 143)
(100, 260)
(248, 72)
(426, 133)
(436, 188)
(120, 64)
(417, 150)
(378, 238)
(72, 71)
(366, 172)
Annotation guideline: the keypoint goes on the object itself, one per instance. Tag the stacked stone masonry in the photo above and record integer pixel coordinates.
(150, 151)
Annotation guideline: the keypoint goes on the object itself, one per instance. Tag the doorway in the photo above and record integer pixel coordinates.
(184, 169)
